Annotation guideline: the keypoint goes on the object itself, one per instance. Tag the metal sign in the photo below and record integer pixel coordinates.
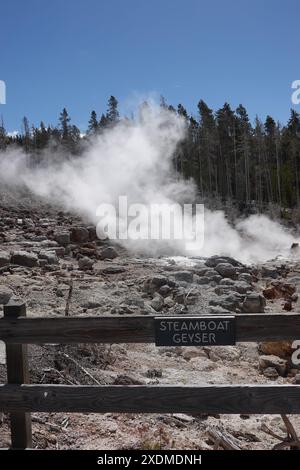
(195, 331)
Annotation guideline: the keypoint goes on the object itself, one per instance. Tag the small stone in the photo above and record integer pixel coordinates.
(273, 361)
(296, 379)
(271, 373)
(157, 303)
(5, 295)
(4, 258)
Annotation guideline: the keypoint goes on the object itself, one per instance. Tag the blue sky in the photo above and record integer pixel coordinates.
(77, 53)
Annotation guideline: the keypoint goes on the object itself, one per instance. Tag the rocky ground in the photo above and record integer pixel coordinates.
(55, 262)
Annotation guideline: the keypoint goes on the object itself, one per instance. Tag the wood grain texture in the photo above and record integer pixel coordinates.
(134, 329)
(18, 373)
(257, 399)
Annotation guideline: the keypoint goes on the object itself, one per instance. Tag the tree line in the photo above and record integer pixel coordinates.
(228, 157)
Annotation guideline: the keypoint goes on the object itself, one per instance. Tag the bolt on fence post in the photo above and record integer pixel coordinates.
(18, 373)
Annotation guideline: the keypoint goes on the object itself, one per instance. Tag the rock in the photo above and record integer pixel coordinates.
(226, 281)
(165, 290)
(180, 296)
(245, 277)
(226, 270)
(63, 238)
(23, 258)
(273, 361)
(92, 303)
(114, 269)
(281, 349)
(240, 287)
(213, 261)
(218, 310)
(4, 258)
(271, 373)
(254, 303)
(154, 284)
(154, 373)
(85, 263)
(157, 302)
(80, 235)
(185, 276)
(135, 301)
(279, 290)
(49, 256)
(203, 280)
(296, 379)
(269, 272)
(169, 302)
(108, 253)
(5, 295)
(230, 301)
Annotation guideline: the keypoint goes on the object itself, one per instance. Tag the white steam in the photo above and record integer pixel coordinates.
(135, 159)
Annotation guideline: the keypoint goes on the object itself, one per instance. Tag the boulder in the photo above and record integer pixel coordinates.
(80, 235)
(62, 238)
(254, 303)
(4, 258)
(49, 256)
(23, 258)
(213, 261)
(185, 276)
(85, 263)
(226, 270)
(276, 362)
(108, 253)
(5, 295)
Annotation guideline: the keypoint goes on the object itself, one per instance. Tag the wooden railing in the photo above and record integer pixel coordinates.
(19, 398)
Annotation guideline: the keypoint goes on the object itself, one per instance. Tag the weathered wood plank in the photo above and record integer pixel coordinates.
(257, 399)
(18, 373)
(134, 329)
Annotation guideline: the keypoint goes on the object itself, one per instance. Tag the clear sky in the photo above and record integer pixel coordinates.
(76, 53)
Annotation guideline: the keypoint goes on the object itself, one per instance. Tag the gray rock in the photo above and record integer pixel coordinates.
(226, 270)
(203, 280)
(213, 261)
(157, 302)
(230, 301)
(63, 238)
(185, 276)
(49, 256)
(80, 235)
(5, 295)
(4, 258)
(273, 361)
(23, 258)
(254, 303)
(245, 277)
(135, 301)
(271, 373)
(108, 253)
(165, 290)
(114, 269)
(85, 263)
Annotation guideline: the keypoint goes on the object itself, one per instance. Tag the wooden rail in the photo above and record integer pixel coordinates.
(20, 399)
(134, 329)
(258, 399)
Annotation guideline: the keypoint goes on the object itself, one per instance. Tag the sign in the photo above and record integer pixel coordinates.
(195, 331)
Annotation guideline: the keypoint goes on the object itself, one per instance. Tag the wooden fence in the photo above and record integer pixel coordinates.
(19, 398)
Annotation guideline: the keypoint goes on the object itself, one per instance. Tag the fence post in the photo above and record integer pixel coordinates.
(18, 373)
